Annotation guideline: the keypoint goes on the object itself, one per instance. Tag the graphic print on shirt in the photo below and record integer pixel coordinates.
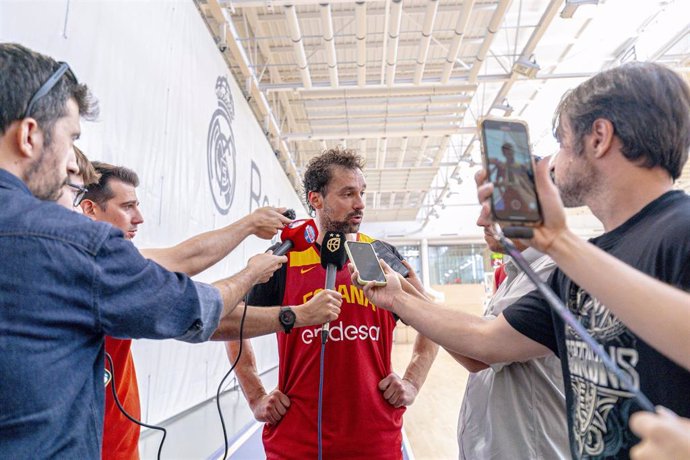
(340, 331)
(602, 403)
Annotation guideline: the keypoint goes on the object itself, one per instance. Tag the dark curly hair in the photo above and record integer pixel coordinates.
(319, 170)
(648, 105)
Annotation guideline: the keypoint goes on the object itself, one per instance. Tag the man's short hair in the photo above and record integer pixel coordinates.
(86, 170)
(100, 193)
(22, 72)
(318, 174)
(648, 105)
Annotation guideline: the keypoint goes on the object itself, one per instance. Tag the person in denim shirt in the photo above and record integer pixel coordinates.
(66, 281)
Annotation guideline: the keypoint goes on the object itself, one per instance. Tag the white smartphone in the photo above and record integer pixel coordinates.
(363, 256)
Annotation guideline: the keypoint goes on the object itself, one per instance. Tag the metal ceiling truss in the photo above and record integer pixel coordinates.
(402, 81)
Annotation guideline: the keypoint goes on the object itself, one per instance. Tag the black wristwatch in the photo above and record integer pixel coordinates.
(287, 319)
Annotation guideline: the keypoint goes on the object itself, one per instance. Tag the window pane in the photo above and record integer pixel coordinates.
(457, 264)
(411, 254)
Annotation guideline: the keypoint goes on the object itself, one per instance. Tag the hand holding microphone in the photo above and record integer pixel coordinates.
(267, 221)
(333, 258)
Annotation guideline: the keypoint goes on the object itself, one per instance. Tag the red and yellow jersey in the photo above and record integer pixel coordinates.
(357, 421)
(121, 435)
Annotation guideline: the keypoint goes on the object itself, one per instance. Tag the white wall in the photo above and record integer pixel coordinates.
(154, 67)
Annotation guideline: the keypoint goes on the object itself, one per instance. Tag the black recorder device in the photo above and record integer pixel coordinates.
(508, 161)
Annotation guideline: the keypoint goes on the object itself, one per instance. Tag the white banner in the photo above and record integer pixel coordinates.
(171, 111)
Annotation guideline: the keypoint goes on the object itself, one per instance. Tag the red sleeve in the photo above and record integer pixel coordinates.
(499, 276)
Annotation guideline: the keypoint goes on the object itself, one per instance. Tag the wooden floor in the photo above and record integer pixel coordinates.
(431, 422)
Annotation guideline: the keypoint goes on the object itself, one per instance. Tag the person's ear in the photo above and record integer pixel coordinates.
(602, 136)
(88, 207)
(315, 200)
(29, 138)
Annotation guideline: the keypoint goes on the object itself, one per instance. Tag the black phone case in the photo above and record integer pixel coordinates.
(388, 256)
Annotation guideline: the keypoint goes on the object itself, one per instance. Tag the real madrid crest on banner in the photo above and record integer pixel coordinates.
(220, 148)
(333, 243)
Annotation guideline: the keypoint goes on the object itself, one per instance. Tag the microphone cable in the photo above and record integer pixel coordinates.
(124, 412)
(322, 371)
(565, 314)
(220, 385)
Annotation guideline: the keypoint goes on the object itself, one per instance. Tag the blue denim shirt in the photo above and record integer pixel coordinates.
(65, 283)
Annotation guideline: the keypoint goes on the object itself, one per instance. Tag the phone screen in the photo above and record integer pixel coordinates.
(509, 163)
(365, 260)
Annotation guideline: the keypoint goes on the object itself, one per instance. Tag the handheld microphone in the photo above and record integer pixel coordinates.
(333, 258)
(290, 214)
(518, 232)
(298, 234)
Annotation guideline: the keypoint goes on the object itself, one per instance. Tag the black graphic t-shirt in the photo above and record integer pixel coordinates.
(656, 241)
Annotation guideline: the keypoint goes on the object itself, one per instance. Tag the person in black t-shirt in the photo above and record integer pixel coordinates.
(624, 136)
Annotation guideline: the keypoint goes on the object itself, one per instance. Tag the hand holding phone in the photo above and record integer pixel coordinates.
(508, 162)
(363, 257)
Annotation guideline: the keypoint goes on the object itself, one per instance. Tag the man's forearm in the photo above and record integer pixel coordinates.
(470, 364)
(423, 354)
(488, 341)
(246, 371)
(233, 289)
(196, 254)
(257, 322)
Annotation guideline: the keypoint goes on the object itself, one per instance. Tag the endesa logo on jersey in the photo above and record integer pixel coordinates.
(339, 332)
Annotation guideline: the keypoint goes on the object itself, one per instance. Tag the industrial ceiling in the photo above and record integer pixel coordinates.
(405, 81)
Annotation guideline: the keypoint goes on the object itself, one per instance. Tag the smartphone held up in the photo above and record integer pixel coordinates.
(363, 257)
(509, 164)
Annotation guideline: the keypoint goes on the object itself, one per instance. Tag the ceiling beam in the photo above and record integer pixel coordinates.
(421, 152)
(374, 10)
(381, 155)
(380, 133)
(361, 37)
(403, 151)
(274, 3)
(393, 37)
(454, 50)
(329, 43)
(427, 27)
(349, 40)
(400, 101)
(298, 44)
(494, 25)
(382, 90)
(387, 121)
(258, 28)
(340, 113)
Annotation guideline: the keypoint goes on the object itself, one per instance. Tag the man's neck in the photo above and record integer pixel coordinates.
(348, 237)
(625, 197)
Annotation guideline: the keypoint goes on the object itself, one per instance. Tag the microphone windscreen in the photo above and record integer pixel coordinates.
(518, 232)
(333, 250)
(290, 214)
(302, 233)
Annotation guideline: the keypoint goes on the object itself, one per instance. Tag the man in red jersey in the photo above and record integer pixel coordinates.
(113, 199)
(363, 400)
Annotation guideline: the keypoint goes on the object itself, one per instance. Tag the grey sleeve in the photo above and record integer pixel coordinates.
(210, 309)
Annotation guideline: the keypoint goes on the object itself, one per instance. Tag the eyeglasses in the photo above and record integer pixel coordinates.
(48, 85)
(79, 193)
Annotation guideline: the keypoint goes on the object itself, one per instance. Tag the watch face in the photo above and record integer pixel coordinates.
(287, 317)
